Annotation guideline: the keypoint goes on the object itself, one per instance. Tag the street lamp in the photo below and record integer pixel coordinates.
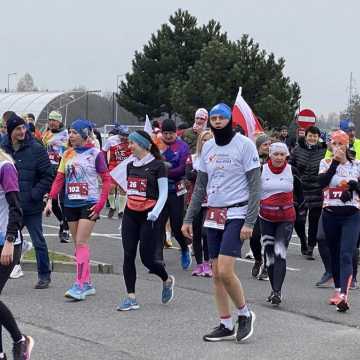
(117, 92)
(9, 75)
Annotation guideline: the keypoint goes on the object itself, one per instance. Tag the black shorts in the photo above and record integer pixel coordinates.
(77, 213)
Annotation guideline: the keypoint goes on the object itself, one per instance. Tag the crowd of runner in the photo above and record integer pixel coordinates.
(209, 187)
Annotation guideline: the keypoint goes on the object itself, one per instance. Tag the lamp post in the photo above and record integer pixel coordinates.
(9, 75)
(117, 92)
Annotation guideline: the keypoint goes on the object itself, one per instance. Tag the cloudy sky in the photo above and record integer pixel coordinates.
(65, 43)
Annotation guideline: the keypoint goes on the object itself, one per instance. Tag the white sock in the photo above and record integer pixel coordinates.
(227, 322)
(168, 235)
(244, 311)
(2, 355)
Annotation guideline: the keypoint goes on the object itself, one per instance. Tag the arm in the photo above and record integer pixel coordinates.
(15, 213)
(106, 185)
(254, 180)
(57, 185)
(298, 190)
(179, 171)
(325, 178)
(190, 172)
(153, 215)
(198, 197)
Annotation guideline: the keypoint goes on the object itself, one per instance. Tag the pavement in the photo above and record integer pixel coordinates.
(303, 327)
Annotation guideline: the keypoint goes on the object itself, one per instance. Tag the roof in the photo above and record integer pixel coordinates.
(26, 102)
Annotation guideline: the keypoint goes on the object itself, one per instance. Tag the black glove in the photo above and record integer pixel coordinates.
(353, 185)
(346, 196)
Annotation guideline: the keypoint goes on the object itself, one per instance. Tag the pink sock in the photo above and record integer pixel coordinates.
(82, 255)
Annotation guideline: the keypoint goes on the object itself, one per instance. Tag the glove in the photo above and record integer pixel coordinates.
(152, 216)
(353, 185)
(346, 196)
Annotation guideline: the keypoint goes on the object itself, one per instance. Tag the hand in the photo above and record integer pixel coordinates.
(94, 214)
(346, 196)
(152, 216)
(353, 185)
(187, 230)
(7, 254)
(339, 155)
(48, 208)
(246, 232)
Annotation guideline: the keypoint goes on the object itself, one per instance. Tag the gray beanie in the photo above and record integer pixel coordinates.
(261, 139)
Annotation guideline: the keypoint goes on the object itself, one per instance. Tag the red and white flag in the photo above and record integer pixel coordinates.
(242, 115)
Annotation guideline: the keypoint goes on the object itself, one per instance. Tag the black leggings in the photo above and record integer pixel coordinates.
(255, 241)
(276, 238)
(6, 318)
(314, 216)
(200, 245)
(135, 228)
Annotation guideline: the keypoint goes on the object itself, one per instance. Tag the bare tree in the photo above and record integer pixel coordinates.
(26, 83)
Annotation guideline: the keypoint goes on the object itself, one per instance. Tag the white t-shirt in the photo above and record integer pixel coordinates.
(344, 173)
(226, 167)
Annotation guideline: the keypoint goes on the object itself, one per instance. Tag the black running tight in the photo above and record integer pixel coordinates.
(200, 245)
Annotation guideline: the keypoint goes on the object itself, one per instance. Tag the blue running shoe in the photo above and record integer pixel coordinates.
(128, 304)
(168, 291)
(89, 289)
(76, 293)
(186, 259)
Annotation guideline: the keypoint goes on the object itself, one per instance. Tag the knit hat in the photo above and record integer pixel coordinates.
(262, 138)
(13, 122)
(81, 126)
(168, 125)
(278, 147)
(202, 114)
(221, 110)
(340, 136)
(55, 115)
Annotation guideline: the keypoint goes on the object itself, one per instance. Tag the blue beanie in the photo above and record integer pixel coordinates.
(81, 126)
(346, 125)
(221, 110)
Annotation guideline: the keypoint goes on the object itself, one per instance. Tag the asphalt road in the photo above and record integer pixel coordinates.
(304, 327)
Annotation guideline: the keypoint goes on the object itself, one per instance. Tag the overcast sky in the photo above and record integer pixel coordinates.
(65, 43)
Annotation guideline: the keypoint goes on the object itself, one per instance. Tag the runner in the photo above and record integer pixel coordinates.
(175, 155)
(147, 191)
(229, 175)
(10, 250)
(117, 150)
(339, 177)
(200, 247)
(55, 140)
(281, 186)
(78, 171)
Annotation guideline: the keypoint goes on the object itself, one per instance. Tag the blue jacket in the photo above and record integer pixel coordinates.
(35, 173)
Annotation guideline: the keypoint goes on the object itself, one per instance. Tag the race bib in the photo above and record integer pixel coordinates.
(180, 188)
(335, 193)
(216, 218)
(137, 186)
(77, 191)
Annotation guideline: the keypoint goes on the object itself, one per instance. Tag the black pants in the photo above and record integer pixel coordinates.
(6, 318)
(314, 216)
(276, 238)
(58, 210)
(200, 245)
(135, 228)
(255, 241)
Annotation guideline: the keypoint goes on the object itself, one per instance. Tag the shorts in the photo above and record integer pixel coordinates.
(225, 242)
(77, 213)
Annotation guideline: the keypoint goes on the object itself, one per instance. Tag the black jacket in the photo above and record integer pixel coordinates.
(307, 160)
(35, 173)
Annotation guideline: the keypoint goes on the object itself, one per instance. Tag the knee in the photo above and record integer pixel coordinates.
(225, 274)
(280, 250)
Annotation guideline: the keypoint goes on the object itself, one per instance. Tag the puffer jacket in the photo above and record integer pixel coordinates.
(35, 173)
(306, 159)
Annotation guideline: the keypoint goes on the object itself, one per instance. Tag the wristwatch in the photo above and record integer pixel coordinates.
(10, 238)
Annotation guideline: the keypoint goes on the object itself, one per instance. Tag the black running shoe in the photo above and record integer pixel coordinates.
(111, 213)
(220, 333)
(276, 298)
(264, 276)
(342, 306)
(268, 299)
(256, 268)
(245, 327)
(22, 350)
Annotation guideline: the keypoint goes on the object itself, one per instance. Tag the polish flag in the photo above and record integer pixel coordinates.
(242, 115)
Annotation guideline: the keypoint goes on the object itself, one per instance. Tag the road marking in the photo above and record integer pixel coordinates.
(252, 262)
(110, 236)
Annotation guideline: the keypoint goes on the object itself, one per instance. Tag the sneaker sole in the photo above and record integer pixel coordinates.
(134, 307)
(224, 338)
(253, 318)
(31, 344)
(17, 276)
(69, 296)
(172, 296)
(90, 292)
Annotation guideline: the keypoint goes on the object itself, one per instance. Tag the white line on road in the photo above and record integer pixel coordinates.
(111, 236)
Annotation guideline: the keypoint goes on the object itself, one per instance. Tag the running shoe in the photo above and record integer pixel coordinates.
(207, 270)
(168, 291)
(249, 255)
(326, 281)
(128, 304)
(65, 238)
(268, 299)
(89, 289)
(264, 276)
(76, 293)
(26, 247)
(245, 327)
(335, 298)
(220, 333)
(354, 284)
(276, 298)
(256, 268)
(310, 253)
(198, 271)
(120, 215)
(4, 357)
(42, 284)
(111, 213)
(186, 259)
(16, 272)
(168, 243)
(342, 305)
(22, 350)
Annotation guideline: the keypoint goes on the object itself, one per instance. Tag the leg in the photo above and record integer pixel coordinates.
(204, 236)
(197, 238)
(221, 295)
(300, 230)
(34, 225)
(268, 239)
(255, 242)
(176, 213)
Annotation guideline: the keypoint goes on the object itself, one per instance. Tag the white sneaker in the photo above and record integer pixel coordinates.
(26, 247)
(17, 272)
(249, 255)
